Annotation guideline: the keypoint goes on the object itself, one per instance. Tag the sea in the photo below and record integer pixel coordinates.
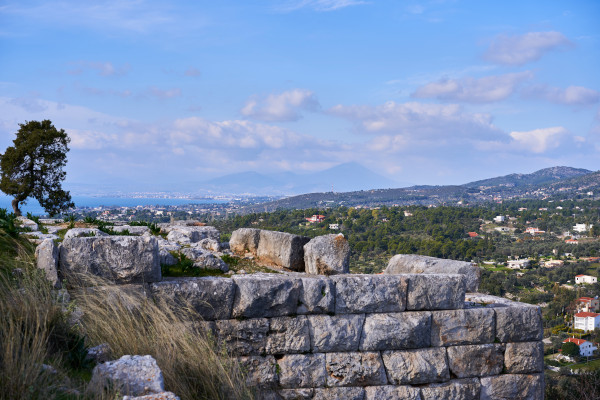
(34, 207)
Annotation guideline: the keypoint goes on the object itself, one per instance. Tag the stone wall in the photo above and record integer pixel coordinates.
(404, 336)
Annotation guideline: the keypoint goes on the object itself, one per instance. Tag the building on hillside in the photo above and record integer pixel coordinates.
(582, 228)
(588, 304)
(334, 227)
(587, 321)
(553, 263)
(518, 264)
(571, 241)
(534, 231)
(407, 214)
(499, 218)
(502, 229)
(586, 279)
(473, 234)
(316, 218)
(585, 348)
(590, 259)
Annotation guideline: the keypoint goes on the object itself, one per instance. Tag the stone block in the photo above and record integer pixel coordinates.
(302, 371)
(154, 396)
(396, 331)
(355, 369)
(476, 360)
(282, 249)
(416, 366)
(244, 240)
(346, 393)
(259, 371)
(335, 333)
(192, 234)
(460, 389)
(242, 338)
(130, 375)
(296, 394)
(210, 297)
(46, 256)
(317, 296)
(390, 392)
(133, 230)
(84, 232)
(417, 264)
(524, 357)
(435, 292)
(519, 323)
(512, 386)
(265, 295)
(327, 255)
(288, 335)
(119, 259)
(468, 326)
(369, 293)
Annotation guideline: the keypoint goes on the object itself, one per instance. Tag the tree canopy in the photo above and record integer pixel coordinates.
(33, 167)
(570, 349)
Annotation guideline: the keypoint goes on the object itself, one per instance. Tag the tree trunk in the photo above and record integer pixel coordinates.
(15, 206)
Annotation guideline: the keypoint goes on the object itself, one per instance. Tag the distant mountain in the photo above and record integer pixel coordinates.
(543, 176)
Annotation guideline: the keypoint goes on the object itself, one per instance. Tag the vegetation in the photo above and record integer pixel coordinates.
(570, 349)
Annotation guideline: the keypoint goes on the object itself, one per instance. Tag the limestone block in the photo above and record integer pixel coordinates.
(476, 360)
(120, 259)
(246, 337)
(210, 244)
(416, 366)
(512, 386)
(396, 331)
(84, 232)
(265, 295)
(524, 357)
(435, 292)
(166, 258)
(335, 333)
(210, 261)
(327, 255)
(130, 375)
(317, 296)
(244, 240)
(288, 335)
(369, 293)
(302, 371)
(282, 249)
(519, 323)
(154, 396)
(46, 256)
(390, 392)
(463, 389)
(296, 394)
(346, 393)
(133, 230)
(211, 297)
(416, 264)
(355, 369)
(192, 234)
(259, 371)
(27, 223)
(468, 326)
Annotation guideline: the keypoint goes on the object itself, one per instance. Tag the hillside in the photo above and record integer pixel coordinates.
(543, 176)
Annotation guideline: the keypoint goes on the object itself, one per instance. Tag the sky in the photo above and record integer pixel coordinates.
(426, 92)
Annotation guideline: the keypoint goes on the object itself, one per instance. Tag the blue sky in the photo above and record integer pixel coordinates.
(429, 92)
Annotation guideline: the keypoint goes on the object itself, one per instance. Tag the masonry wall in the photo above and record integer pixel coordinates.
(364, 337)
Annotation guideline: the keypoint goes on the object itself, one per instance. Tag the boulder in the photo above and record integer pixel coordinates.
(204, 260)
(130, 375)
(327, 255)
(120, 259)
(27, 223)
(416, 264)
(209, 244)
(84, 232)
(192, 234)
(166, 245)
(244, 240)
(166, 258)
(282, 249)
(46, 255)
(99, 354)
(133, 230)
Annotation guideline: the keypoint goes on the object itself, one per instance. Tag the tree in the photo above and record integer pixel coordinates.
(570, 349)
(33, 167)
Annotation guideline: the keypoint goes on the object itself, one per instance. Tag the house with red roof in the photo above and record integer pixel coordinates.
(473, 234)
(588, 279)
(316, 218)
(585, 348)
(588, 304)
(587, 321)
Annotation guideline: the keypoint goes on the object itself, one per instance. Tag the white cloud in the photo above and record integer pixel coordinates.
(318, 5)
(481, 90)
(539, 140)
(521, 49)
(284, 106)
(573, 95)
(163, 93)
(103, 68)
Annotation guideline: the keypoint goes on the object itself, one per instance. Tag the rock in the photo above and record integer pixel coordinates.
(130, 375)
(416, 264)
(84, 232)
(192, 234)
(508, 386)
(210, 297)
(164, 244)
(244, 240)
(27, 223)
(246, 337)
(133, 230)
(396, 331)
(282, 249)
(42, 236)
(519, 323)
(166, 258)
(476, 360)
(327, 255)
(416, 366)
(463, 389)
(524, 357)
(260, 371)
(210, 244)
(296, 394)
(469, 326)
(288, 335)
(210, 261)
(302, 371)
(354, 369)
(369, 293)
(265, 295)
(335, 333)
(346, 393)
(99, 354)
(154, 396)
(317, 296)
(393, 393)
(120, 259)
(46, 255)
(435, 292)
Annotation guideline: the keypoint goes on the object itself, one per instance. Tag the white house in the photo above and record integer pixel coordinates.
(588, 304)
(585, 348)
(582, 227)
(518, 264)
(553, 263)
(585, 279)
(534, 231)
(334, 227)
(499, 218)
(587, 321)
